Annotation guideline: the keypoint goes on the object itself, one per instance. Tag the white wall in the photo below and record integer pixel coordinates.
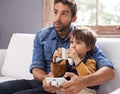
(19, 16)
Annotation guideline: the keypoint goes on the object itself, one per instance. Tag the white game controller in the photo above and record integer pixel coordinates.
(57, 82)
(65, 56)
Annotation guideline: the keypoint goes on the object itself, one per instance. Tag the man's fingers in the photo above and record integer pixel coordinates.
(51, 74)
(68, 74)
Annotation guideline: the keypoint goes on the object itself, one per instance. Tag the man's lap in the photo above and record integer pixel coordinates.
(21, 87)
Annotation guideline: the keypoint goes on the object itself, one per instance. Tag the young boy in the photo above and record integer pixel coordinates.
(82, 41)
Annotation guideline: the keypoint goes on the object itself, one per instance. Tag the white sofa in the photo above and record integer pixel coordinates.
(15, 61)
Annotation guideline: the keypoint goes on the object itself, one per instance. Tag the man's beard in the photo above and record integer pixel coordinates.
(61, 27)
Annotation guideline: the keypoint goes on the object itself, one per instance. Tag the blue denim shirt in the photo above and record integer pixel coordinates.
(47, 41)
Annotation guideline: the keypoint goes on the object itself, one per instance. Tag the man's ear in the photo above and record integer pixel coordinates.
(74, 18)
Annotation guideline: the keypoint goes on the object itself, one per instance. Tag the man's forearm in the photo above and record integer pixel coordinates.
(39, 74)
(99, 77)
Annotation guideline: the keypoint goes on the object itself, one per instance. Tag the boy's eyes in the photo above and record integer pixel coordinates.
(78, 42)
(71, 41)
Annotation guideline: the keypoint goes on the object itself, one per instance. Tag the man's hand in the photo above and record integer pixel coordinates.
(48, 87)
(77, 83)
(74, 85)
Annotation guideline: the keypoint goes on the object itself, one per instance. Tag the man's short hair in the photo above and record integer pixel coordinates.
(71, 3)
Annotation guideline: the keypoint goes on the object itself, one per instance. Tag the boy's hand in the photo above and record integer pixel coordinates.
(56, 54)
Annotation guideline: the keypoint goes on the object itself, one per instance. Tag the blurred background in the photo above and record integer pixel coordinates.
(19, 16)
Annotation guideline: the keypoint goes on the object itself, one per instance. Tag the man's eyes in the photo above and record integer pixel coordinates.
(65, 14)
(55, 12)
(62, 13)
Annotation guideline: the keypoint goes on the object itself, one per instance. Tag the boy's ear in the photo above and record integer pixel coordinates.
(74, 18)
(89, 48)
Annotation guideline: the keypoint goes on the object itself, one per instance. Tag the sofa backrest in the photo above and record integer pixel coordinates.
(2, 56)
(111, 47)
(18, 57)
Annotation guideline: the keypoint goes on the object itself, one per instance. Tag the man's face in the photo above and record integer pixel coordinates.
(62, 17)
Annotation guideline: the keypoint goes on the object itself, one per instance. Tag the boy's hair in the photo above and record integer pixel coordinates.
(71, 3)
(85, 34)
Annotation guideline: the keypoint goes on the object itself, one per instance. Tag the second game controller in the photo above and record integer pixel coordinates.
(57, 82)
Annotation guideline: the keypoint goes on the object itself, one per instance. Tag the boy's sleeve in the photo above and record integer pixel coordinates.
(58, 69)
(87, 68)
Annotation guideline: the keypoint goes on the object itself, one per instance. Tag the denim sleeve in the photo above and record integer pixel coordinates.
(38, 56)
(101, 59)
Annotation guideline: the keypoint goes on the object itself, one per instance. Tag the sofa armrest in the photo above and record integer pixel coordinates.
(2, 57)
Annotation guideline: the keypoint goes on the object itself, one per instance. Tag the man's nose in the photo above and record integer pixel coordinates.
(57, 17)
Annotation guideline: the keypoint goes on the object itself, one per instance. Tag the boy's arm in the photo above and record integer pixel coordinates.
(87, 68)
(58, 69)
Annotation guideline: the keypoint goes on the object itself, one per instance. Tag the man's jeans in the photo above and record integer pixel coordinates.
(22, 87)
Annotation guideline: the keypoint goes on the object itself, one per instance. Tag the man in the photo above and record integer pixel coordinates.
(45, 43)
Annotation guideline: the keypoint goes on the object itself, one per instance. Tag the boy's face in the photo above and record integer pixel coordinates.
(79, 46)
(62, 17)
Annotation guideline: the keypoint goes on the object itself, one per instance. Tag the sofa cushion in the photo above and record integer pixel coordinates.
(117, 91)
(111, 48)
(5, 78)
(18, 57)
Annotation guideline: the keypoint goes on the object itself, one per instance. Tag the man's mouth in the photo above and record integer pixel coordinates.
(57, 24)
